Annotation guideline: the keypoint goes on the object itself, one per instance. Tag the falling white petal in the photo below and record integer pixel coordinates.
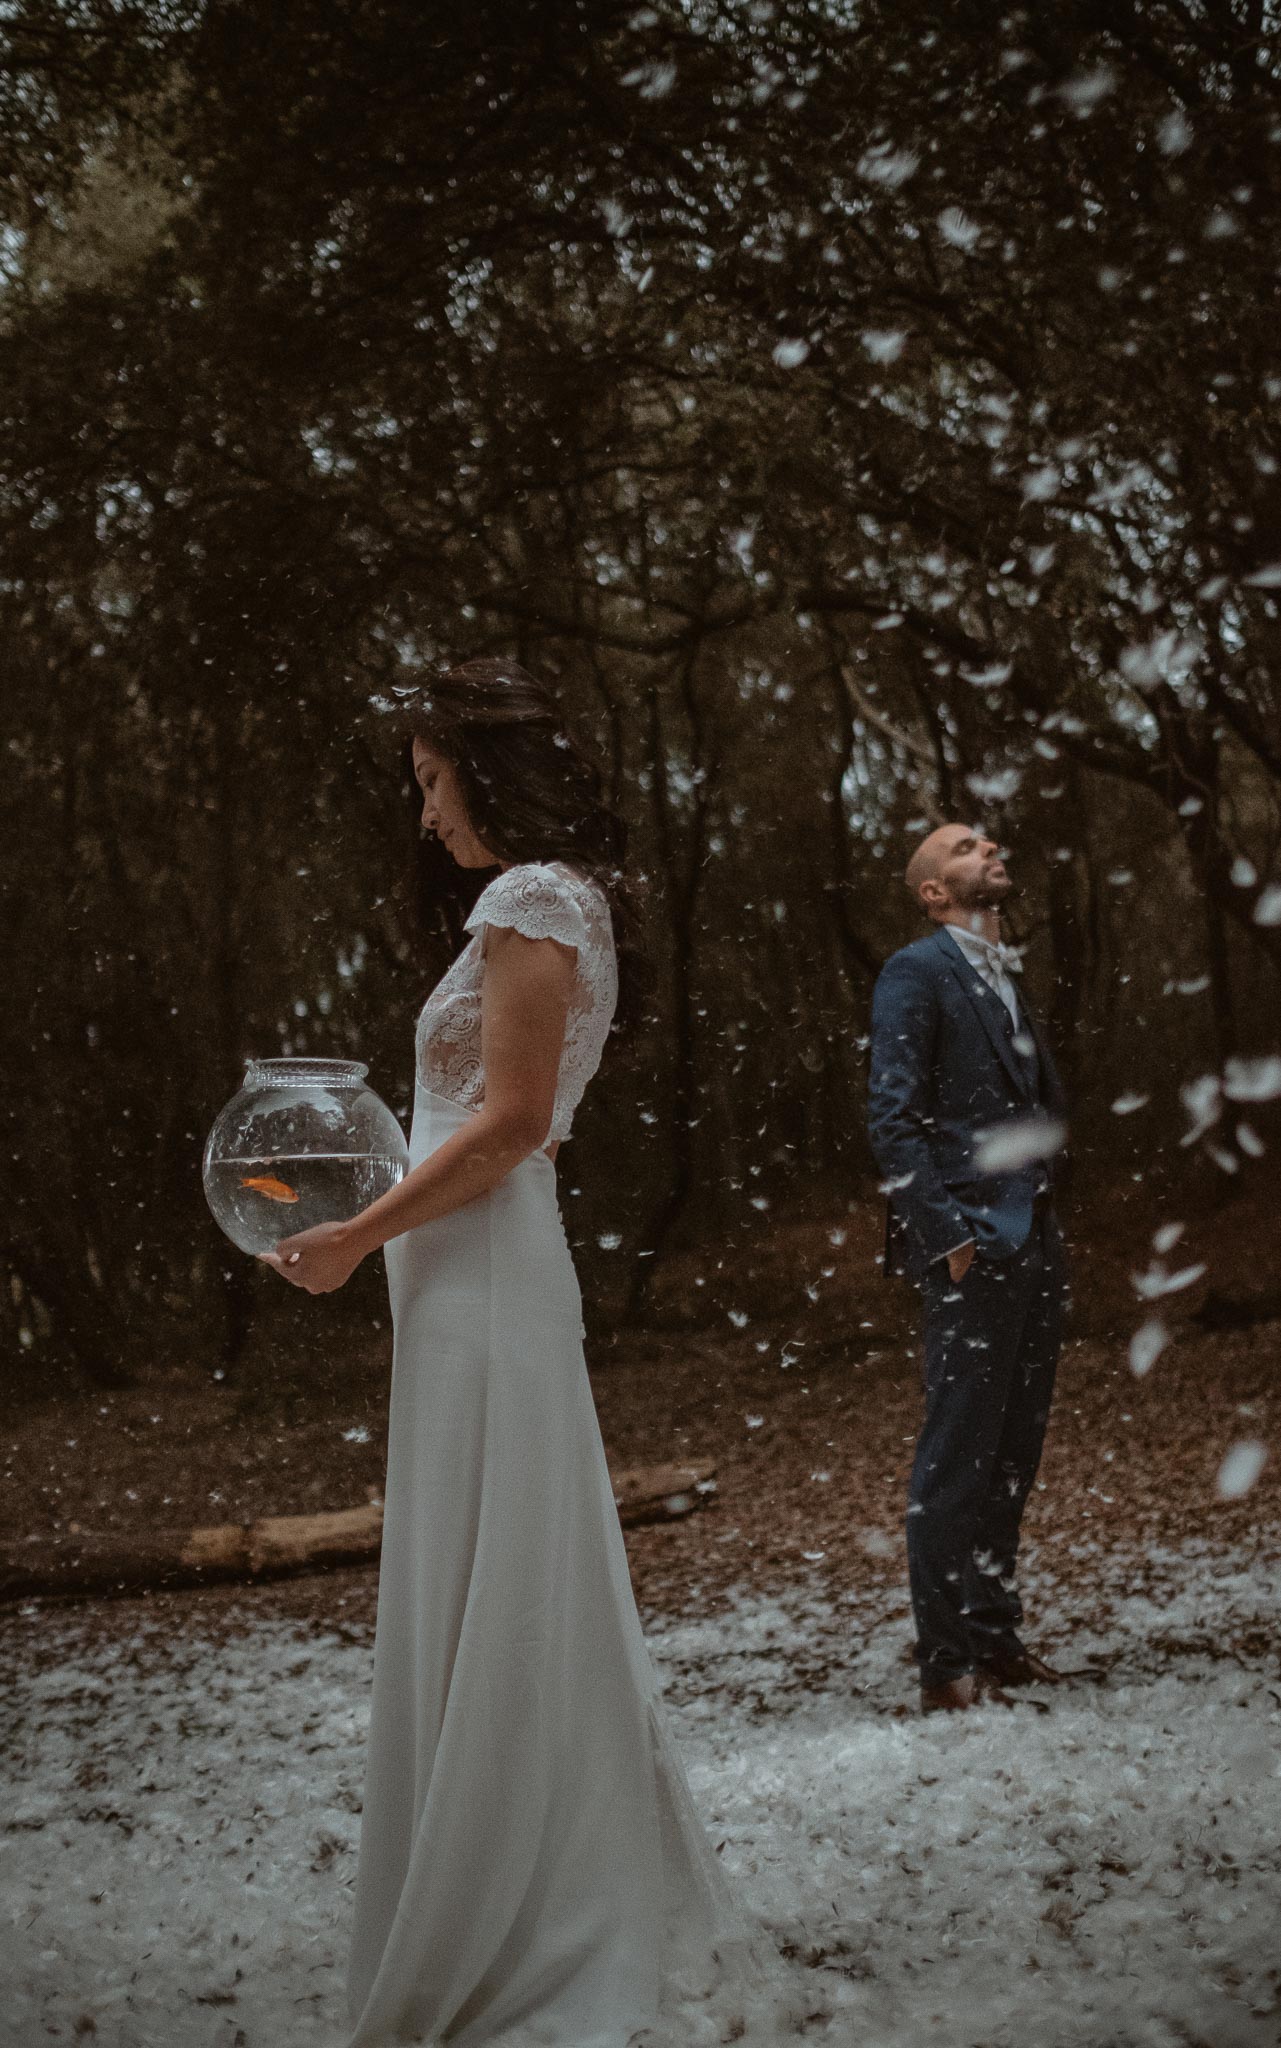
(1203, 1100)
(1150, 1286)
(1146, 1345)
(1085, 88)
(1267, 911)
(1014, 1145)
(888, 167)
(1253, 1080)
(884, 344)
(1240, 1469)
(996, 788)
(1174, 134)
(957, 229)
(654, 81)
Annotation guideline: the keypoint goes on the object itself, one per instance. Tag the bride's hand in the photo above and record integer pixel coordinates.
(320, 1259)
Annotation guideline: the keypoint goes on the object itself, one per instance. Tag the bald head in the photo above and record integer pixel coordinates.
(957, 869)
(927, 859)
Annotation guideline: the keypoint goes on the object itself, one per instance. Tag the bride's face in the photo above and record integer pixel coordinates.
(444, 811)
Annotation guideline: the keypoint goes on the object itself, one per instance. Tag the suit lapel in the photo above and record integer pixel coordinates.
(988, 1008)
(1051, 1086)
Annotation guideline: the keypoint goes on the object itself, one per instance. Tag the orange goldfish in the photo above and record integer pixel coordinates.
(275, 1190)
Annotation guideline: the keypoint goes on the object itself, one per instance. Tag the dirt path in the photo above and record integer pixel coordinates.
(811, 1458)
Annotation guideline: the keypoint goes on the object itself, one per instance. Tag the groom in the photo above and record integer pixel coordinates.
(964, 1121)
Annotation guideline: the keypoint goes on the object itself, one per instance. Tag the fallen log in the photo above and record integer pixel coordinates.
(275, 1546)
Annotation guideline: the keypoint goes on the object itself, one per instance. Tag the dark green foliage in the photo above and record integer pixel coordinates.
(864, 413)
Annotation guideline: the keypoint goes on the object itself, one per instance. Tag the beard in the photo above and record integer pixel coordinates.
(985, 892)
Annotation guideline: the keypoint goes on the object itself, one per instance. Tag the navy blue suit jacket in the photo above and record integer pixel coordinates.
(944, 1069)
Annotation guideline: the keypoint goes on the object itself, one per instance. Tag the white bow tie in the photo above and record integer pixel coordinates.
(1000, 954)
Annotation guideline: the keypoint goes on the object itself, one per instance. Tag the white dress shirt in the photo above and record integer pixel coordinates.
(996, 964)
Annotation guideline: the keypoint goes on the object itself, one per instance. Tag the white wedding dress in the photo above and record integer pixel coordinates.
(531, 1864)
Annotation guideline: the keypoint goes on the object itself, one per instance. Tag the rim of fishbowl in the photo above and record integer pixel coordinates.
(295, 1072)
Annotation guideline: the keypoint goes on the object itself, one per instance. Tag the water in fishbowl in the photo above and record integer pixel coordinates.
(259, 1201)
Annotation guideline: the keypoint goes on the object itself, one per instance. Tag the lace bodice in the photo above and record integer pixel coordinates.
(542, 900)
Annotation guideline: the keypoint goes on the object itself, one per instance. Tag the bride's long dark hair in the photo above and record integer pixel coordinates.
(532, 794)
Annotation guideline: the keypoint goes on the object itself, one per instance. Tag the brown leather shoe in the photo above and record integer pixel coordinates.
(954, 1695)
(1022, 1667)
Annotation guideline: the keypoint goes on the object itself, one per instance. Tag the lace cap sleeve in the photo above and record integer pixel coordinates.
(534, 901)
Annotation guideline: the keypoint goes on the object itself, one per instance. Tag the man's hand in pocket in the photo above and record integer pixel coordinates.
(960, 1261)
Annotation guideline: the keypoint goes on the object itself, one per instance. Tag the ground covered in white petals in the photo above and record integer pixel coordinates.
(182, 1813)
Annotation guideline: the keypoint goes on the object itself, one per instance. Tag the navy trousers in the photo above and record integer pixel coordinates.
(991, 1348)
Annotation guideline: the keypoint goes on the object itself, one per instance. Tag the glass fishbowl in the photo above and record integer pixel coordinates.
(303, 1142)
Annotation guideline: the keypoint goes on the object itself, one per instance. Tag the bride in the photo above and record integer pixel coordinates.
(531, 1864)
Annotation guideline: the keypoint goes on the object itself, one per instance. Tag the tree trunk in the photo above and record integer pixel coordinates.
(278, 1546)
